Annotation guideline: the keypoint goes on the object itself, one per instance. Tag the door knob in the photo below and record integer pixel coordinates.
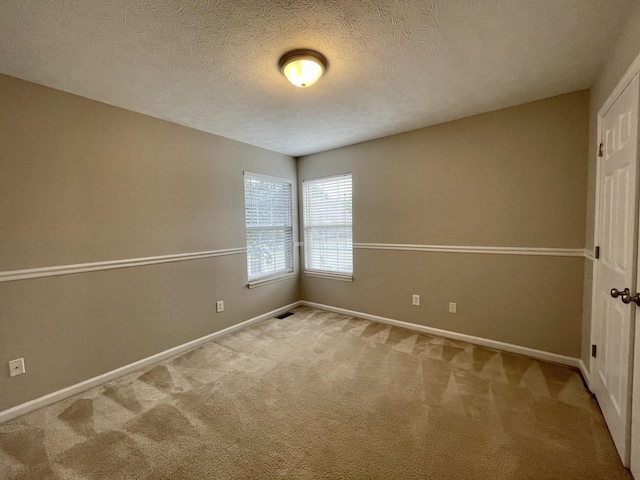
(626, 296)
(615, 293)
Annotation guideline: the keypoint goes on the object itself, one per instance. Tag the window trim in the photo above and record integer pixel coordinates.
(282, 275)
(276, 277)
(327, 274)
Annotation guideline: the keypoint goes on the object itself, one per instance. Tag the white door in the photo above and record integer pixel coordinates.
(635, 408)
(616, 268)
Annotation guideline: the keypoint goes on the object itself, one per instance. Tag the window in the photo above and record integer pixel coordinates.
(328, 238)
(269, 230)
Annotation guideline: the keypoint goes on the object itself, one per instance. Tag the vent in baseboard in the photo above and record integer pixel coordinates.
(284, 315)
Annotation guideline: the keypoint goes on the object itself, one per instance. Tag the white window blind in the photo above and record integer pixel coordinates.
(328, 237)
(268, 221)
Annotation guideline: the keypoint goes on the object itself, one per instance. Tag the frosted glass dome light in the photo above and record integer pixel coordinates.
(303, 68)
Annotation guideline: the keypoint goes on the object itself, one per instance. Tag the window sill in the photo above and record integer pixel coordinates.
(343, 277)
(267, 280)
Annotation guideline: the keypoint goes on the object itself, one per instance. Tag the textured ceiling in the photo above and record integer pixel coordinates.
(394, 65)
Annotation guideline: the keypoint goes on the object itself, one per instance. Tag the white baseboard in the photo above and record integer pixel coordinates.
(485, 342)
(67, 392)
(585, 374)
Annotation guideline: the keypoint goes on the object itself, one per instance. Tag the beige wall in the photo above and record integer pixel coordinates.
(513, 178)
(625, 51)
(80, 182)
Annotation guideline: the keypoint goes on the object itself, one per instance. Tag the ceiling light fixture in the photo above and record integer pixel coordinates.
(303, 68)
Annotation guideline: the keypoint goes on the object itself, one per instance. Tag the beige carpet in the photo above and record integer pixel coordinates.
(322, 395)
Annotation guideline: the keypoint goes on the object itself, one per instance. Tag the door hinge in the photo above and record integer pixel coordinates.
(594, 351)
(601, 150)
(597, 255)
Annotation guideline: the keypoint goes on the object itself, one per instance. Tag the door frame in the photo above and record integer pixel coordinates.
(626, 79)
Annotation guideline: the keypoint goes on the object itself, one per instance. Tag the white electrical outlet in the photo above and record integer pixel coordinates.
(416, 300)
(452, 307)
(16, 367)
(219, 306)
